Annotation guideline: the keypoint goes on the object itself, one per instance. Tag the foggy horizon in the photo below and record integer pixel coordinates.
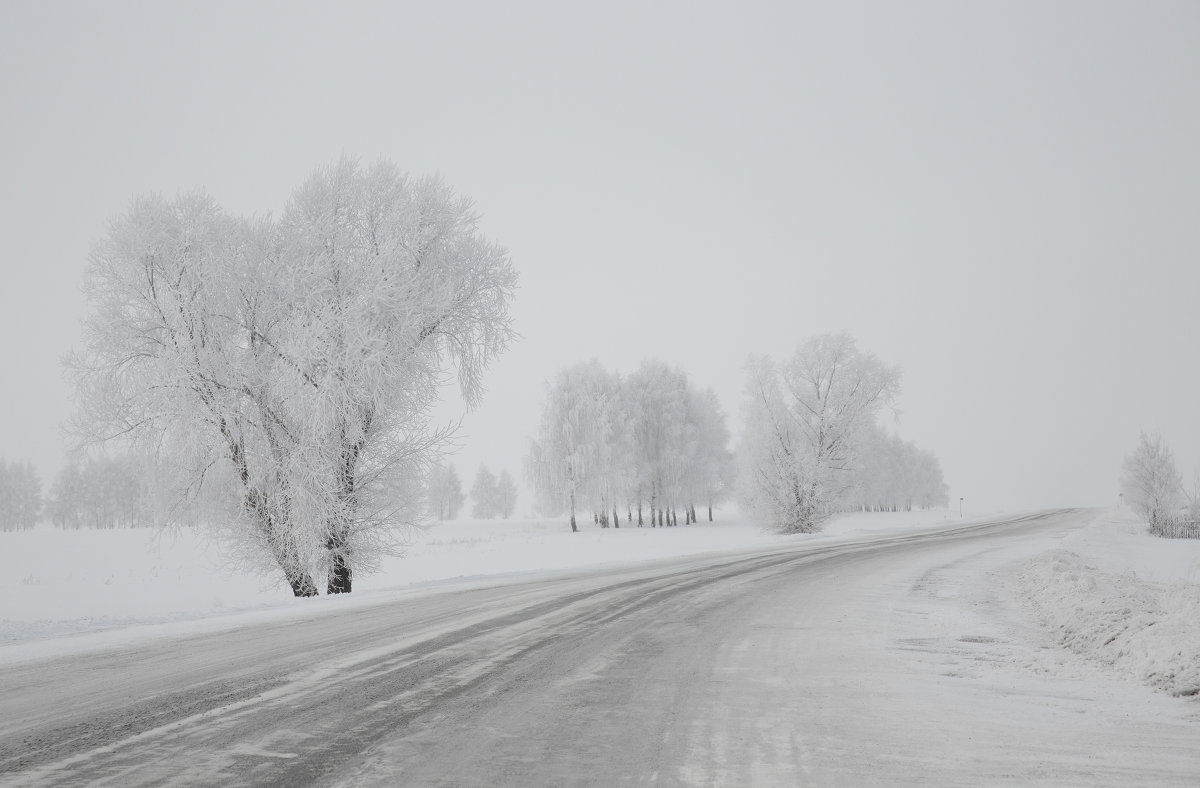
(1000, 200)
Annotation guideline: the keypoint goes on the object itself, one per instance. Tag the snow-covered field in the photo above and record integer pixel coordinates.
(56, 582)
(1116, 595)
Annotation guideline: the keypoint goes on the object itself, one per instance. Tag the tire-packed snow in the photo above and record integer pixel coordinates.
(1145, 631)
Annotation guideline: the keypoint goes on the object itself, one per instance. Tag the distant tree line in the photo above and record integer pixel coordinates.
(894, 475)
(102, 492)
(491, 496)
(652, 445)
(20, 496)
(444, 492)
(647, 446)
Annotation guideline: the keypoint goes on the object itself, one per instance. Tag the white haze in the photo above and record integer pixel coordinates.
(1000, 198)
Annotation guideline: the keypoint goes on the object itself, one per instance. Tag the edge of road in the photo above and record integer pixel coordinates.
(128, 636)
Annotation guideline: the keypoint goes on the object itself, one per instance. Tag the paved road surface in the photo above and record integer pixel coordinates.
(898, 660)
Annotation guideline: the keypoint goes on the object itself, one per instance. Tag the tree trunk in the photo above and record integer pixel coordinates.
(616, 518)
(301, 582)
(339, 569)
(282, 546)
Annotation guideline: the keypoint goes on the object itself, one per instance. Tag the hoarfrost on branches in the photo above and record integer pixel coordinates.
(803, 427)
(1150, 482)
(293, 363)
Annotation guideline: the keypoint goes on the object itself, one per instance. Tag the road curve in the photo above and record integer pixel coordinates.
(866, 662)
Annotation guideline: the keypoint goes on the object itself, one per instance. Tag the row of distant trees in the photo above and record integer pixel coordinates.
(895, 475)
(651, 441)
(648, 445)
(99, 492)
(1152, 487)
(492, 496)
(104, 492)
(117, 492)
(20, 496)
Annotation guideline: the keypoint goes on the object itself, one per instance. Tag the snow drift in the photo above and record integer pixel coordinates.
(1143, 630)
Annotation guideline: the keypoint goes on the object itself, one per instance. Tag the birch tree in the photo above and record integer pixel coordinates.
(802, 424)
(1150, 482)
(506, 494)
(444, 492)
(712, 476)
(659, 399)
(484, 494)
(572, 449)
(294, 363)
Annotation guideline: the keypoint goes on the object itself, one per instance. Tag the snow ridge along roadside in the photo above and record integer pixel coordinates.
(1122, 598)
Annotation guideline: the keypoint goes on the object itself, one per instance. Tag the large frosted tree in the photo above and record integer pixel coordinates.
(803, 422)
(294, 362)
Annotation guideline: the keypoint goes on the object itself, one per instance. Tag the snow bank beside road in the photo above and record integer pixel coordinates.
(1119, 596)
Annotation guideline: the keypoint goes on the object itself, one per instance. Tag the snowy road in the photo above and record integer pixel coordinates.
(889, 660)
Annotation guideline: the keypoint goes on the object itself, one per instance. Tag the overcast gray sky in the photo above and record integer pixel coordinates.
(1002, 198)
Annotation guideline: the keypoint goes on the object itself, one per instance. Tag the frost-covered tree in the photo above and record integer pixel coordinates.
(1150, 482)
(65, 504)
(506, 494)
(294, 363)
(665, 442)
(803, 423)
(445, 492)
(711, 475)
(571, 457)
(20, 496)
(485, 503)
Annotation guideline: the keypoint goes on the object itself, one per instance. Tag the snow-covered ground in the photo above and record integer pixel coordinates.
(1109, 592)
(1128, 600)
(56, 582)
